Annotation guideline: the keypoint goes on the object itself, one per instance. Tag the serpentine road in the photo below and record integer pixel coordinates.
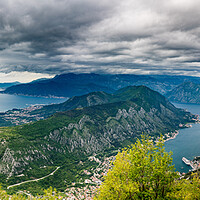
(34, 179)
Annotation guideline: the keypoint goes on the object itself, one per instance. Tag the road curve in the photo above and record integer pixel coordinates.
(34, 179)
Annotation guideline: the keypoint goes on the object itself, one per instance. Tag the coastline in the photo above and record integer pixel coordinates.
(26, 95)
(174, 134)
(181, 126)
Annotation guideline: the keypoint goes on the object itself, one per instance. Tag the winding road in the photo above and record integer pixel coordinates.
(52, 173)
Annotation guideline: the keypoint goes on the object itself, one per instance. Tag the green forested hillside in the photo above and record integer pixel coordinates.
(67, 139)
(142, 171)
(91, 99)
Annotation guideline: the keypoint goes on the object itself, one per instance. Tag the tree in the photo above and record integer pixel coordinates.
(143, 171)
(49, 194)
(189, 188)
(3, 194)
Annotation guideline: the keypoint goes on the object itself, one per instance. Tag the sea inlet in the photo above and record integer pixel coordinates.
(187, 142)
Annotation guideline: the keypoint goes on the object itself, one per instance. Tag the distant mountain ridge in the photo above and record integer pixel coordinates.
(187, 92)
(52, 88)
(68, 85)
(67, 138)
(6, 85)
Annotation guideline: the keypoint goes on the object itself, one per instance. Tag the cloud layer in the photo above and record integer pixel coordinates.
(107, 36)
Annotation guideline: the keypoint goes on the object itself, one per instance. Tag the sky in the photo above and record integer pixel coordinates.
(42, 38)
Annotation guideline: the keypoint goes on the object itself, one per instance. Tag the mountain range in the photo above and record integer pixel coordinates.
(68, 85)
(6, 85)
(188, 92)
(98, 123)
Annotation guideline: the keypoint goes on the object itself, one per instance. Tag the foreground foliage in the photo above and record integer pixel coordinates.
(49, 194)
(145, 171)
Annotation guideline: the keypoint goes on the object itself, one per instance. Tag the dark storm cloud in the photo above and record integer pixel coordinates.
(47, 25)
(107, 36)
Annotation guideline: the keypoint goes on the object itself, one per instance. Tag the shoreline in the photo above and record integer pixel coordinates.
(174, 134)
(40, 96)
(181, 126)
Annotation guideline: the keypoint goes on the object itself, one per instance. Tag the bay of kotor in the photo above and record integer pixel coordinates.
(8, 102)
(187, 142)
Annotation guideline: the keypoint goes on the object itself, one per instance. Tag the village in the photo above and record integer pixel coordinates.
(91, 184)
(21, 116)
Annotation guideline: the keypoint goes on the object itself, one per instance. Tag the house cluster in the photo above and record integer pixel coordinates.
(91, 184)
(21, 116)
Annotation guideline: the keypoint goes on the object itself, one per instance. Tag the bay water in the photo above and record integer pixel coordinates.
(187, 142)
(8, 102)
